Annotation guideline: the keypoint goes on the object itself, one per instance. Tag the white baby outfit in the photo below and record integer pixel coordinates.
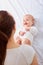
(30, 34)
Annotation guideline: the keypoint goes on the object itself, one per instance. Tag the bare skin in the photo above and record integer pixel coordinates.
(35, 62)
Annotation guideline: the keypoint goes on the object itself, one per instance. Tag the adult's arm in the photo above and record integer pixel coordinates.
(35, 62)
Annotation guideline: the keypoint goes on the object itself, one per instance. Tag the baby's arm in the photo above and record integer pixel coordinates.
(33, 30)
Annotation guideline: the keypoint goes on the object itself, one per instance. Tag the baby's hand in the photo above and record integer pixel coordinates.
(21, 33)
(18, 40)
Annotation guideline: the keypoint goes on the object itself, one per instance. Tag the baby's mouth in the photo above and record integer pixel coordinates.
(25, 23)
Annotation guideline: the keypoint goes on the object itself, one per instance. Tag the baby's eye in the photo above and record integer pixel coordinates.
(27, 19)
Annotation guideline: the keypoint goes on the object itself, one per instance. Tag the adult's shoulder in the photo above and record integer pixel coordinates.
(28, 52)
(25, 48)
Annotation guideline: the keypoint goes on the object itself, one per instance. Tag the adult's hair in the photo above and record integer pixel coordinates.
(6, 26)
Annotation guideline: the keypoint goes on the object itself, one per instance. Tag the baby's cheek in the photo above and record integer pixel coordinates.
(30, 23)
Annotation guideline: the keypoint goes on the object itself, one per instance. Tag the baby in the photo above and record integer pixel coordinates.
(29, 30)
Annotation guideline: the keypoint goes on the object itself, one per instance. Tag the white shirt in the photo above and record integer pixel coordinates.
(22, 55)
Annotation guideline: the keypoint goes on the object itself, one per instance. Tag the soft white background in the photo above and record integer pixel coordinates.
(20, 7)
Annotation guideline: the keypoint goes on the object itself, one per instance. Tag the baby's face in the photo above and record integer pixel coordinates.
(28, 21)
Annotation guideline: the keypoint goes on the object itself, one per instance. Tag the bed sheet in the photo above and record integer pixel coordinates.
(38, 43)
